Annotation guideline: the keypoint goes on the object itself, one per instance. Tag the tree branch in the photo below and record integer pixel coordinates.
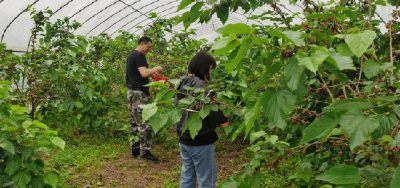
(327, 88)
(391, 53)
(352, 91)
(344, 91)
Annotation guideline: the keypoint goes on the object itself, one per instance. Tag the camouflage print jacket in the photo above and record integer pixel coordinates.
(210, 123)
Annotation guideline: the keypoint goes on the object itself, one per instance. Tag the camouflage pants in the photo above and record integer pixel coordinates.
(143, 129)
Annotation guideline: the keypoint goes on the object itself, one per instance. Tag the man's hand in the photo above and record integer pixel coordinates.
(158, 69)
(145, 72)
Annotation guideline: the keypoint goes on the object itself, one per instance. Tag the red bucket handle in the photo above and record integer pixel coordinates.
(224, 124)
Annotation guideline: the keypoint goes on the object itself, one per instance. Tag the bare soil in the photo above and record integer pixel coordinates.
(125, 171)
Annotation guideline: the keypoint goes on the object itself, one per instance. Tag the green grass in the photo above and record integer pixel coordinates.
(83, 154)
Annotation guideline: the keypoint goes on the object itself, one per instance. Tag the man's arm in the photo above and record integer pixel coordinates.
(145, 72)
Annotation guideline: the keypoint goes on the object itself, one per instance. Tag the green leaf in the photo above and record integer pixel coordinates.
(278, 105)
(396, 178)
(320, 128)
(251, 112)
(390, 99)
(341, 174)
(158, 120)
(246, 44)
(358, 127)
(36, 167)
(340, 36)
(232, 45)
(292, 73)
(295, 37)
(313, 62)
(305, 175)
(184, 3)
(27, 123)
(194, 11)
(343, 49)
(22, 178)
(359, 42)
(272, 139)
(291, 36)
(4, 179)
(8, 146)
(380, 2)
(238, 131)
(39, 124)
(204, 112)
(20, 109)
(396, 141)
(342, 62)
(78, 104)
(369, 171)
(270, 71)
(148, 112)
(386, 139)
(239, 28)
(13, 165)
(255, 135)
(229, 183)
(59, 142)
(52, 179)
(72, 53)
(27, 152)
(37, 182)
(174, 81)
(220, 43)
(194, 124)
(314, 16)
(205, 16)
(396, 109)
(153, 15)
(350, 104)
(371, 68)
(223, 12)
(174, 115)
(385, 123)
(333, 69)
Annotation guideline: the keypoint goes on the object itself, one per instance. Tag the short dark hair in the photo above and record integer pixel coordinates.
(145, 40)
(200, 65)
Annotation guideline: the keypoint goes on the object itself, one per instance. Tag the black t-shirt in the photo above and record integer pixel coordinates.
(133, 78)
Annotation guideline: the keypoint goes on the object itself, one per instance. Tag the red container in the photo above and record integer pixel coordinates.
(158, 77)
(224, 124)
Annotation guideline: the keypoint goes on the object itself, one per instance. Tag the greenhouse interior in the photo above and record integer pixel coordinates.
(206, 93)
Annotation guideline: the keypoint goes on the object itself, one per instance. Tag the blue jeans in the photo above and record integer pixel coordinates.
(198, 162)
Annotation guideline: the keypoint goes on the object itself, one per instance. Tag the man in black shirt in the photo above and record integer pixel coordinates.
(137, 75)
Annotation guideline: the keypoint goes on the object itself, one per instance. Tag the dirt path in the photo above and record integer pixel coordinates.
(128, 172)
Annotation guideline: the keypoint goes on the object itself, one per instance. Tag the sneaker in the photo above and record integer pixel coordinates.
(149, 157)
(135, 153)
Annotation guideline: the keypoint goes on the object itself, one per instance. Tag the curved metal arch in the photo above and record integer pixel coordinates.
(140, 16)
(5, 30)
(83, 8)
(163, 12)
(137, 9)
(238, 21)
(180, 27)
(106, 20)
(126, 6)
(119, 21)
(137, 29)
(115, 2)
(61, 8)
